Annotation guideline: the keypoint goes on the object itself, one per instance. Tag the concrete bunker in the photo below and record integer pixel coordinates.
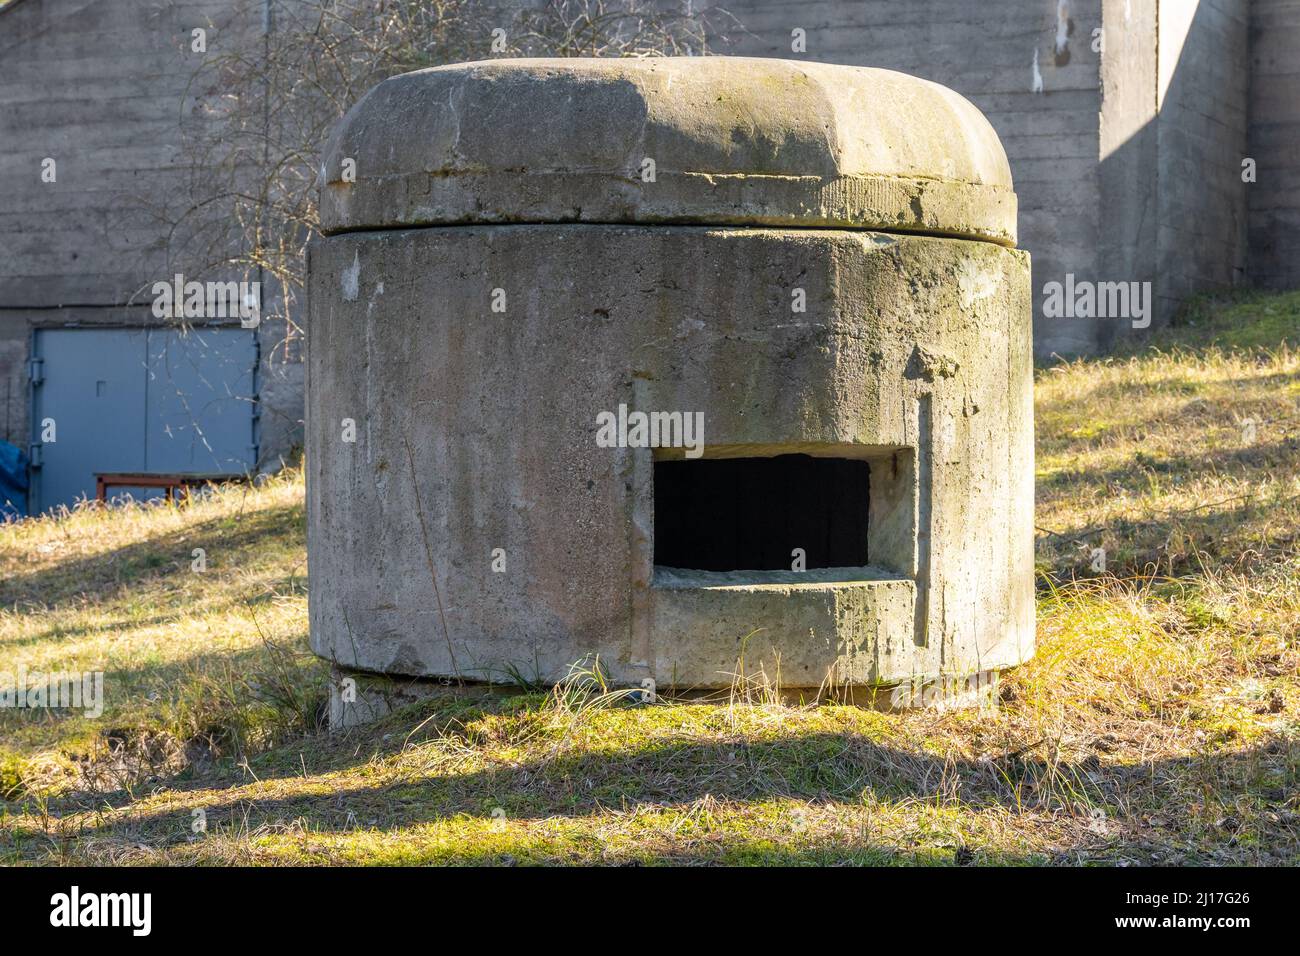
(813, 263)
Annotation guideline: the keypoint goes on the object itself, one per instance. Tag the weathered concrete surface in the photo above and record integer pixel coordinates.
(104, 89)
(1204, 80)
(464, 520)
(733, 140)
(1044, 103)
(1125, 244)
(1274, 143)
(475, 431)
(1108, 188)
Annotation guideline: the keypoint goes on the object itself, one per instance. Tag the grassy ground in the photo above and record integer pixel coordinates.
(1159, 722)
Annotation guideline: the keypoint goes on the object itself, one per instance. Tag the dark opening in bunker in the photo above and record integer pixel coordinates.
(749, 514)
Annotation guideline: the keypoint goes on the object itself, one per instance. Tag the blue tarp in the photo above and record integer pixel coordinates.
(13, 482)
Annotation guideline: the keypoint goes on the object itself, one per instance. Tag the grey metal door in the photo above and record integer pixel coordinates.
(201, 401)
(139, 400)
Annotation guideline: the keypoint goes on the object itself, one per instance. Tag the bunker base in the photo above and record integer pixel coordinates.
(358, 698)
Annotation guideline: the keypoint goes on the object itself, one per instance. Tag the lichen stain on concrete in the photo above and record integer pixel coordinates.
(928, 365)
(1064, 29)
(379, 290)
(974, 285)
(350, 279)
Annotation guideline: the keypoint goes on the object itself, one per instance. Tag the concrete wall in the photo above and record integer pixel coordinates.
(1203, 83)
(1274, 143)
(1125, 148)
(101, 88)
(989, 53)
(1128, 144)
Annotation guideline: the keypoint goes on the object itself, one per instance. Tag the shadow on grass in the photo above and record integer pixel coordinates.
(1231, 462)
(194, 606)
(1122, 394)
(104, 575)
(166, 722)
(843, 768)
(1246, 533)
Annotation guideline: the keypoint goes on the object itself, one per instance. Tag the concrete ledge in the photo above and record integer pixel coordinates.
(802, 629)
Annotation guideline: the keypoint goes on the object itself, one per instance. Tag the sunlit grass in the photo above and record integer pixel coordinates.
(209, 656)
(1173, 462)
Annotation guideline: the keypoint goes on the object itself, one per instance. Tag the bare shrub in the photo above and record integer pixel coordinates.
(262, 109)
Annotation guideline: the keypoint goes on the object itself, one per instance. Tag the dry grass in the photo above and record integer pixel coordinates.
(1157, 724)
(198, 665)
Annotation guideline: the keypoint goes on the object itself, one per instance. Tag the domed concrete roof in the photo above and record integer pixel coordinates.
(705, 140)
